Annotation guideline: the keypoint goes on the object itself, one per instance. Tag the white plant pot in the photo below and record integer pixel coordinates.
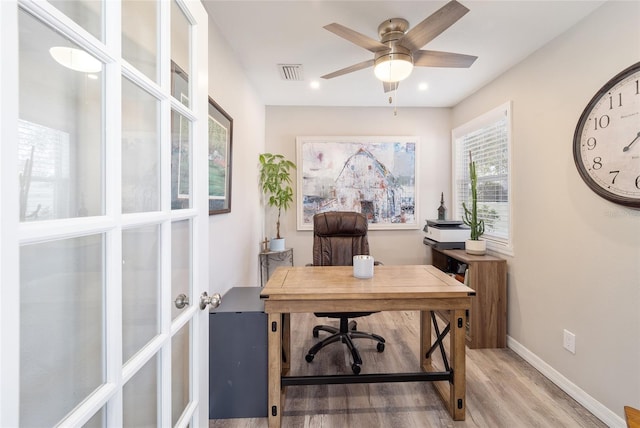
(477, 248)
(276, 244)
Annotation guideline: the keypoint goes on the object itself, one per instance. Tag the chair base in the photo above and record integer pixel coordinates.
(346, 333)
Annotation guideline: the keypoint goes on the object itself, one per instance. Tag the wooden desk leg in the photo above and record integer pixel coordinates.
(457, 356)
(425, 339)
(274, 412)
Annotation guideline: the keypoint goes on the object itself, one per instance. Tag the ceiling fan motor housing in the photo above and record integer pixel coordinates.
(393, 25)
(391, 32)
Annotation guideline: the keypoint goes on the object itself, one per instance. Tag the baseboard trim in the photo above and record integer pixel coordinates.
(588, 402)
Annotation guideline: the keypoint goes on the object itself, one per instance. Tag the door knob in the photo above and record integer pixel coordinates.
(213, 301)
(181, 301)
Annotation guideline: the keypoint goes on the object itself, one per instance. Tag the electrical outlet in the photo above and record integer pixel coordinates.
(569, 341)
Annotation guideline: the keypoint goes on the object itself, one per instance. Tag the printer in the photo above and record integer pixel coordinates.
(446, 234)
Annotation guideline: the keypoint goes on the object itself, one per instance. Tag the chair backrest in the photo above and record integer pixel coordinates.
(338, 236)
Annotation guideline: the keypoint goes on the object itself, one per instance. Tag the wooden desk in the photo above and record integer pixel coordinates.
(392, 288)
(632, 416)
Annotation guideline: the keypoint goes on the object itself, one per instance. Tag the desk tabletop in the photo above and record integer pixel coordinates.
(338, 282)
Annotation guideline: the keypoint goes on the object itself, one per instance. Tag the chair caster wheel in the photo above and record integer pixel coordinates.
(356, 369)
(309, 358)
(380, 347)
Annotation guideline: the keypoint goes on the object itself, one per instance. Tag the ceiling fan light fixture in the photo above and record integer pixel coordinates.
(393, 67)
(75, 59)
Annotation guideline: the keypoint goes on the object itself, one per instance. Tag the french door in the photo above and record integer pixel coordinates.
(104, 213)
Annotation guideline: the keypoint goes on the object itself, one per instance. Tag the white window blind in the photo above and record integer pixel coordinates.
(43, 162)
(488, 139)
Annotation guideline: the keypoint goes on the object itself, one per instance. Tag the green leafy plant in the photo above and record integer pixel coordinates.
(275, 182)
(470, 217)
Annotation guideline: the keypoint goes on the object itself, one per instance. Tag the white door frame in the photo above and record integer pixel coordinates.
(9, 307)
(13, 233)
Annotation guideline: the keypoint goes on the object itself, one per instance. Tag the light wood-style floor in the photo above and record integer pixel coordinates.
(502, 389)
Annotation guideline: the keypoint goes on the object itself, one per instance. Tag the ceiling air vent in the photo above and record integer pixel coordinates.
(291, 71)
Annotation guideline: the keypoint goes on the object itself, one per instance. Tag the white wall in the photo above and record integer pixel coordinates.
(431, 125)
(235, 237)
(577, 256)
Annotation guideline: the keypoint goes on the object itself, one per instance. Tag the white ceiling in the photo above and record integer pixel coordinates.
(266, 33)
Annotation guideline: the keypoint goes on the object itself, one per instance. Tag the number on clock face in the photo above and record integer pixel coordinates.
(607, 140)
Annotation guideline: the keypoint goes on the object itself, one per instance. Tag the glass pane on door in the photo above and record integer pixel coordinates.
(97, 420)
(61, 327)
(180, 365)
(140, 36)
(180, 262)
(60, 137)
(140, 288)
(180, 48)
(86, 13)
(180, 161)
(140, 149)
(140, 397)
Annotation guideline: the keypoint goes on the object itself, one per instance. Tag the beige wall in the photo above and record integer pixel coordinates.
(577, 256)
(431, 125)
(234, 237)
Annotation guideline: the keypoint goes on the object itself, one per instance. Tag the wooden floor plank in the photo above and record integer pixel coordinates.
(502, 389)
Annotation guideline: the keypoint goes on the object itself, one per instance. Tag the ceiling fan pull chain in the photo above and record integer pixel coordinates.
(395, 100)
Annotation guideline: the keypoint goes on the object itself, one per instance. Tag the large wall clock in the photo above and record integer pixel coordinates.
(606, 144)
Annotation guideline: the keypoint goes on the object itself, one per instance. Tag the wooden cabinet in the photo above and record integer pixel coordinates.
(487, 275)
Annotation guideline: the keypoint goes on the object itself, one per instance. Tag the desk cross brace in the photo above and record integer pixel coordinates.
(438, 342)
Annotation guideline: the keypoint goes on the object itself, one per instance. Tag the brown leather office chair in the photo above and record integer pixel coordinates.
(337, 237)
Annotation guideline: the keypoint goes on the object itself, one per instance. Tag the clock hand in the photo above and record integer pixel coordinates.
(627, 147)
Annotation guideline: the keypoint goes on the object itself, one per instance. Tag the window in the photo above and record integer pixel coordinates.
(488, 140)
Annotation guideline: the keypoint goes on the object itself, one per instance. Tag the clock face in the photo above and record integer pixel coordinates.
(606, 144)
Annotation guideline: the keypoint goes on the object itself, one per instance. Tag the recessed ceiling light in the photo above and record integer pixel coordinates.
(423, 86)
(75, 59)
(314, 84)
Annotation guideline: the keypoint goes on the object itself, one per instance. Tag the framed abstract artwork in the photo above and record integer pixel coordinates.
(376, 176)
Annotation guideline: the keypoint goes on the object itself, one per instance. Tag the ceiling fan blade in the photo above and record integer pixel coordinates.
(356, 38)
(426, 58)
(390, 86)
(433, 25)
(350, 69)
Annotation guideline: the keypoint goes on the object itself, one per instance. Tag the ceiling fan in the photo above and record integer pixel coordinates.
(399, 50)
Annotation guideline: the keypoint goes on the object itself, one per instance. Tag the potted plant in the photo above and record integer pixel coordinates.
(275, 182)
(470, 217)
